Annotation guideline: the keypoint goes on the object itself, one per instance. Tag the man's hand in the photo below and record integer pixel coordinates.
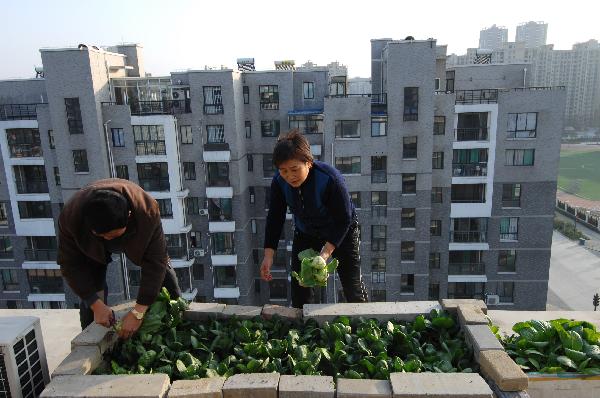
(129, 326)
(327, 251)
(265, 267)
(103, 315)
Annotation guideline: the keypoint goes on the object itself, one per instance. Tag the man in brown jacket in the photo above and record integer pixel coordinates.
(113, 216)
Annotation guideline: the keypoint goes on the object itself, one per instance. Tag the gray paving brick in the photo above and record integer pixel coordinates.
(439, 385)
(251, 385)
(406, 311)
(130, 386)
(352, 388)
(81, 361)
(306, 387)
(203, 388)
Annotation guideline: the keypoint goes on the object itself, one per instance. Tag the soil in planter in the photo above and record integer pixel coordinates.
(349, 348)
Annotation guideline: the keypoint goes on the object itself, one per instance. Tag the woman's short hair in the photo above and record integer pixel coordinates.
(106, 210)
(292, 145)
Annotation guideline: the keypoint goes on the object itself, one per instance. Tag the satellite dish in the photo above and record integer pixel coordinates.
(409, 38)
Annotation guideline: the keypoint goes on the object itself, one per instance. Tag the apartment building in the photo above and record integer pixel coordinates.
(454, 188)
(532, 33)
(493, 37)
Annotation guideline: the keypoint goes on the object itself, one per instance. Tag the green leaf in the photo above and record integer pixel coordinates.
(565, 361)
(443, 322)
(576, 356)
(419, 323)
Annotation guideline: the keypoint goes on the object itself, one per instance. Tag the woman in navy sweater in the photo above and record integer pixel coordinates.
(324, 217)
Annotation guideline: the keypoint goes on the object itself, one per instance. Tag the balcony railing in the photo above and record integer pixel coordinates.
(216, 146)
(511, 202)
(218, 182)
(25, 150)
(178, 253)
(225, 251)
(466, 269)
(484, 96)
(50, 286)
(509, 236)
(148, 148)
(32, 185)
(18, 112)
(468, 236)
(216, 216)
(476, 296)
(163, 107)
(154, 184)
(213, 109)
(469, 169)
(40, 254)
(378, 176)
(471, 134)
(376, 99)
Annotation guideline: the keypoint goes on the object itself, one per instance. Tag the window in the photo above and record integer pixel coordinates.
(250, 159)
(218, 174)
(378, 169)
(189, 170)
(469, 162)
(434, 260)
(434, 291)
(409, 183)
(149, 140)
(307, 124)
(435, 228)
(267, 197)
(166, 210)
(56, 176)
(248, 126)
(436, 195)
(355, 198)
(269, 97)
(6, 248)
(268, 166)
(347, 129)
(122, 171)
(520, 157)
(379, 204)
(436, 83)
(3, 215)
(411, 104)
(80, 161)
(439, 125)
(37, 209)
(467, 193)
(409, 148)
(378, 237)
(215, 134)
(308, 88)
(246, 91)
(348, 164)
(507, 260)
(407, 251)
(450, 81)
(222, 243)
(466, 290)
(225, 277)
(220, 209)
(195, 239)
(185, 134)
(213, 100)
(511, 195)
(24, 143)
(506, 291)
(378, 126)
(10, 280)
(378, 270)
(407, 283)
(198, 271)
(278, 289)
(437, 160)
(118, 137)
(192, 206)
(269, 128)
(509, 228)
(74, 116)
(522, 125)
(154, 176)
(51, 139)
(378, 295)
(407, 218)
(251, 195)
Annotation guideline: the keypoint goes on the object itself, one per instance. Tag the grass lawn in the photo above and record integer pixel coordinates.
(579, 172)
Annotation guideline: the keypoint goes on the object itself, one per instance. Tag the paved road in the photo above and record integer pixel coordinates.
(589, 232)
(574, 275)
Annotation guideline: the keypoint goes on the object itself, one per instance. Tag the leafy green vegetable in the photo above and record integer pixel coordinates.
(313, 269)
(558, 346)
(352, 348)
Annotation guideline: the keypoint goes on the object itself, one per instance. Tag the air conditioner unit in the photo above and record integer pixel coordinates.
(492, 299)
(204, 212)
(198, 252)
(23, 365)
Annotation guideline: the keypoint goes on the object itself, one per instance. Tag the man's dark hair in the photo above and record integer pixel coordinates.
(106, 210)
(292, 145)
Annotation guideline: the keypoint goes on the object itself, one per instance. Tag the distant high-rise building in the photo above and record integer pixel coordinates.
(533, 34)
(493, 37)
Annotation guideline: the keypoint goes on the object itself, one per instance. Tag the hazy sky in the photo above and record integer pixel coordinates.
(181, 34)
